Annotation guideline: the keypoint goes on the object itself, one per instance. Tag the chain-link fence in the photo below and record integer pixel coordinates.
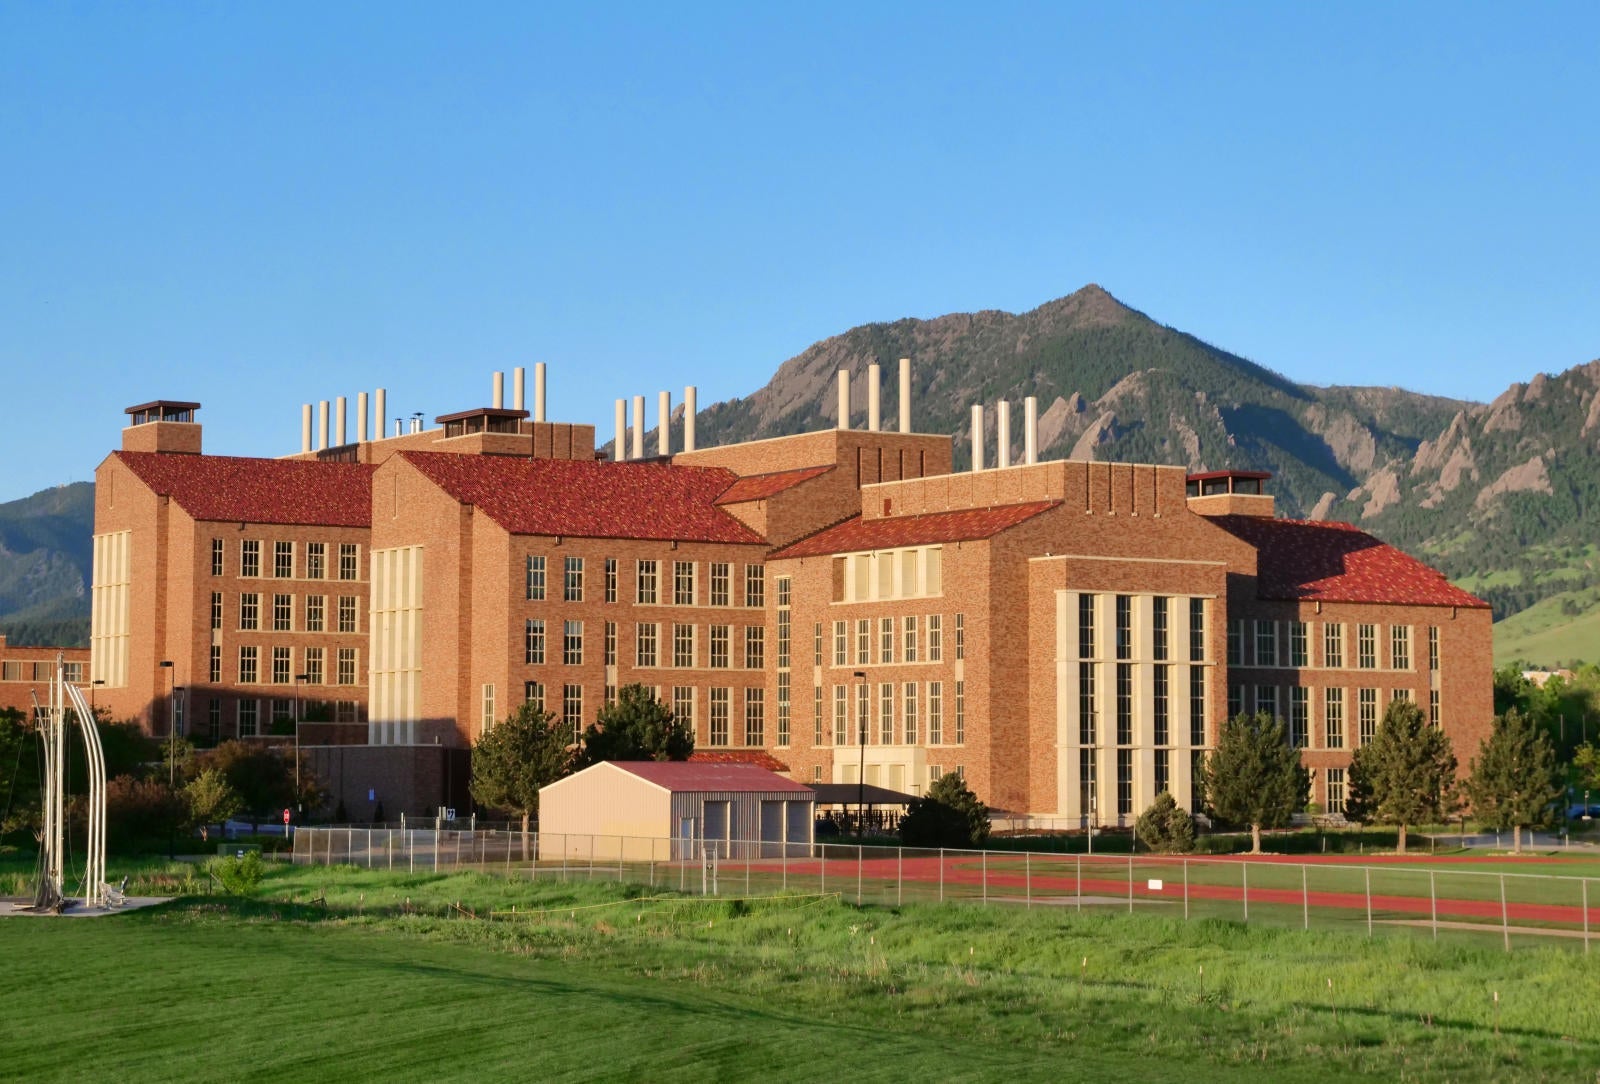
(1441, 899)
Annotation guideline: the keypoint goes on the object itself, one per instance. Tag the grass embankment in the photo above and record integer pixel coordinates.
(385, 979)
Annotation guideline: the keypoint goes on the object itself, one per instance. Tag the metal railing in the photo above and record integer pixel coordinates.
(1443, 899)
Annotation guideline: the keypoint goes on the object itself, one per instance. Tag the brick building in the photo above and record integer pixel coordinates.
(28, 671)
(1064, 634)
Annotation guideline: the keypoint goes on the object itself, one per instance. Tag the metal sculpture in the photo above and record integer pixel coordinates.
(52, 723)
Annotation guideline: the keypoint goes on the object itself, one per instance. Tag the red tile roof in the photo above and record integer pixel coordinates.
(587, 499)
(679, 775)
(1335, 562)
(292, 492)
(758, 487)
(965, 525)
(759, 757)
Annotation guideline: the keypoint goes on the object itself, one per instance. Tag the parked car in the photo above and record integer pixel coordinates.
(1582, 812)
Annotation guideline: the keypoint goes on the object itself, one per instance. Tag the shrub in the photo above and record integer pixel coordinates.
(1166, 827)
(239, 876)
(949, 816)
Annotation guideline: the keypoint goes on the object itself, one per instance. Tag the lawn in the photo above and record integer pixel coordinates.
(385, 978)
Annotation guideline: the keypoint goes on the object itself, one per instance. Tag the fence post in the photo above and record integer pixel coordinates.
(1305, 900)
(823, 883)
(590, 876)
(1505, 919)
(1244, 879)
(369, 848)
(786, 866)
(566, 843)
(899, 875)
(1433, 905)
(436, 834)
(1027, 878)
(411, 848)
(983, 859)
(1130, 884)
(1186, 890)
(1368, 871)
(860, 858)
(1079, 877)
(1585, 886)
(941, 874)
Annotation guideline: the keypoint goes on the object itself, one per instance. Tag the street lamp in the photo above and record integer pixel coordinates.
(861, 776)
(298, 678)
(172, 747)
(92, 684)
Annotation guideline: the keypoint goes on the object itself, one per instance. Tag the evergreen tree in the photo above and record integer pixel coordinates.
(1405, 775)
(1166, 827)
(1254, 776)
(949, 815)
(511, 761)
(1514, 777)
(636, 726)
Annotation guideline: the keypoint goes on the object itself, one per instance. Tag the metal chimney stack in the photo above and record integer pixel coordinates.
(1003, 438)
(905, 395)
(538, 392)
(689, 395)
(664, 428)
(977, 436)
(874, 381)
(844, 399)
(621, 450)
(1030, 430)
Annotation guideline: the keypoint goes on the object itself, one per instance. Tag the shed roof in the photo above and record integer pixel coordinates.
(963, 525)
(759, 757)
(291, 492)
(851, 793)
(680, 775)
(758, 487)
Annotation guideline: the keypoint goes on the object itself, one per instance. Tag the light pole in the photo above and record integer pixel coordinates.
(172, 745)
(299, 807)
(861, 776)
(92, 710)
(1092, 803)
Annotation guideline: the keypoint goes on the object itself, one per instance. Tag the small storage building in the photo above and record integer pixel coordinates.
(673, 810)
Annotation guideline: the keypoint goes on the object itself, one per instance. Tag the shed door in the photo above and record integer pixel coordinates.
(772, 827)
(716, 819)
(801, 825)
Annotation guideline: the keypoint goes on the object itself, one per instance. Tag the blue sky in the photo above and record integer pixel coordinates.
(261, 205)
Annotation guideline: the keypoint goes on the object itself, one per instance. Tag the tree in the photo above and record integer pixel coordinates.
(261, 776)
(511, 761)
(1166, 827)
(1405, 775)
(211, 800)
(140, 810)
(949, 815)
(1514, 777)
(1586, 765)
(1254, 776)
(636, 726)
(19, 773)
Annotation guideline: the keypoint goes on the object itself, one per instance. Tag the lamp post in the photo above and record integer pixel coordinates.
(92, 710)
(298, 678)
(1092, 804)
(172, 747)
(861, 774)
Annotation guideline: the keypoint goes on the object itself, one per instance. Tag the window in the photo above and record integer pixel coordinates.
(1299, 716)
(755, 716)
(910, 713)
(1162, 762)
(572, 709)
(863, 713)
(719, 646)
(533, 641)
(1433, 647)
(1335, 790)
(1124, 616)
(683, 583)
(282, 613)
(11, 671)
(316, 607)
(1400, 647)
(1088, 720)
(755, 585)
(721, 593)
(534, 585)
(1266, 643)
(1085, 626)
(886, 640)
(1366, 647)
(1433, 707)
(935, 713)
(347, 666)
(719, 716)
(1236, 641)
(249, 611)
(1235, 701)
(316, 560)
(755, 647)
(935, 638)
(1086, 784)
(646, 644)
(1124, 703)
(783, 708)
(347, 561)
(250, 557)
(683, 646)
(841, 715)
(611, 643)
(281, 665)
(886, 715)
(611, 579)
(216, 609)
(283, 560)
(909, 638)
(1124, 782)
(347, 613)
(1267, 700)
(1197, 630)
(1197, 706)
(841, 644)
(816, 644)
(683, 705)
(533, 693)
(1333, 646)
(572, 643)
(646, 582)
(1160, 703)
(216, 556)
(247, 718)
(572, 579)
(1299, 653)
(214, 718)
(1158, 628)
(785, 625)
(960, 736)
(961, 636)
(863, 641)
(1367, 714)
(215, 669)
(816, 715)
(1333, 718)
(1399, 694)
(247, 665)
(314, 665)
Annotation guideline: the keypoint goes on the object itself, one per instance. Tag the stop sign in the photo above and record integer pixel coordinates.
(285, 816)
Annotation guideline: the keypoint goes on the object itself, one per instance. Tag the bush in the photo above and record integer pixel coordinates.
(1166, 827)
(239, 876)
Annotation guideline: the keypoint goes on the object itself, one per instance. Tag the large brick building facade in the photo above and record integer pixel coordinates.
(1067, 635)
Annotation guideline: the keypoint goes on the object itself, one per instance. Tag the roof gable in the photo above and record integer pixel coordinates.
(589, 499)
(291, 492)
(964, 525)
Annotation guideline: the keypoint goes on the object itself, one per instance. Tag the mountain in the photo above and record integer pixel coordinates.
(45, 565)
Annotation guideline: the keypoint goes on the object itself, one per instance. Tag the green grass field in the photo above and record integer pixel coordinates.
(1543, 634)
(385, 980)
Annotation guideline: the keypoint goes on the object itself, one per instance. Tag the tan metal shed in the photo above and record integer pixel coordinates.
(670, 810)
